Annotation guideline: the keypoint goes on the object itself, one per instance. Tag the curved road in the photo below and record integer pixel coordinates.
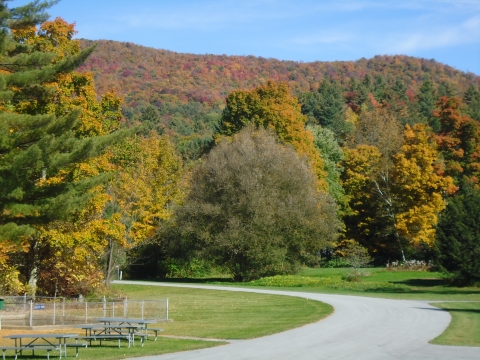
(360, 328)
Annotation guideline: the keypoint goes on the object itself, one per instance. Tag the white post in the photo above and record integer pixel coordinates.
(125, 307)
(143, 308)
(54, 309)
(86, 312)
(167, 308)
(121, 273)
(104, 305)
(31, 313)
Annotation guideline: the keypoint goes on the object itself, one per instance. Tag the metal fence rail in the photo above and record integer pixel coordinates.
(41, 311)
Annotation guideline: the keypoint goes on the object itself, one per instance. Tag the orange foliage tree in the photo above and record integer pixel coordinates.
(458, 140)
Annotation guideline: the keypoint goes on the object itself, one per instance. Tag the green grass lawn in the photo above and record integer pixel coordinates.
(465, 326)
(214, 314)
(379, 282)
(207, 314)
(228, 315)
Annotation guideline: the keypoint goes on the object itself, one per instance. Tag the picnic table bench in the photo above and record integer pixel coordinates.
(109, 332)
(19, 349)
(141, 324)
(33, 343)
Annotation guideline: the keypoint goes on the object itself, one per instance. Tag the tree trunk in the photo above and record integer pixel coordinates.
(33, 269)
(400, 246)
(109, 266)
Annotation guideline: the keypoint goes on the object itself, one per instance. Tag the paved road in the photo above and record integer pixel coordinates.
(360, 328)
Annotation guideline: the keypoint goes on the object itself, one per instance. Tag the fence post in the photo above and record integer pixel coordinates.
(104, 306)
(125, 307)
(167, 308)
(54, 309)
(113, 309)
(143, 308)
(63, 309)
(86, 312)
(31, 313)
(25, 303)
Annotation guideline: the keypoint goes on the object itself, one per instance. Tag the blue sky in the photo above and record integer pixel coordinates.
(302, 30)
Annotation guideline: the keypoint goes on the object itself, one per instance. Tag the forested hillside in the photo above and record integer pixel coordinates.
(164, 164)
(183, 94)
(151, 76)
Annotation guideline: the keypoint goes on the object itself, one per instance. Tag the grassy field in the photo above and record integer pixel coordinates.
(229, 315)
(409, 285)
(206, 314)
(465, 326)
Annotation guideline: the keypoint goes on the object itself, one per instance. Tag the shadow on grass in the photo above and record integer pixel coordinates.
(422, 282)
(411, 286)
(195, 280)
(452, 309)
(441, 291)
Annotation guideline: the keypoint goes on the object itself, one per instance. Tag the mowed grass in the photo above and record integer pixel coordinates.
(205, 314)
(228, 315)
(379, 282)
(464, 328)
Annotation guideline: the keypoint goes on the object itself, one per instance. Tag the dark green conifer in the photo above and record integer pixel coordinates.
(426, 104)
(458, 236)
(35, 147)
(472, 99)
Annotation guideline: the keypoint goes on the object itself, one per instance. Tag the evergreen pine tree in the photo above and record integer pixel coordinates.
(458, 236)
(426, 104)
(327, 107)
(472, 99)
(38, 151)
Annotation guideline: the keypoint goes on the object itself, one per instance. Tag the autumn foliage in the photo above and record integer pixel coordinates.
(109, 151)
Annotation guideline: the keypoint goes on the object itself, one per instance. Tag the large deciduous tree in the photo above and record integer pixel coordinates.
(271, 106)
(141, 196)
(395, 190)
(255, 208)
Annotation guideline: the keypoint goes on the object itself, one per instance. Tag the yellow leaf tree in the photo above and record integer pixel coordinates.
(142, 193)
(395, 199)
(271, 106)
(419, 190)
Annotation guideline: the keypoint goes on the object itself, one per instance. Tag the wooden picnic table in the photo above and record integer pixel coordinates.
(110, 331)
(142, 324)
(33, 344)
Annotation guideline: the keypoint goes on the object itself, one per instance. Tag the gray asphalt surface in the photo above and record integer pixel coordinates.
(360, 328)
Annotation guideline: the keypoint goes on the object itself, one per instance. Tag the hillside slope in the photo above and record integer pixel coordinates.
(150, 76)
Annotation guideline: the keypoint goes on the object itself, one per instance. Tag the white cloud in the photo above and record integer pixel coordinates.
(467, 32)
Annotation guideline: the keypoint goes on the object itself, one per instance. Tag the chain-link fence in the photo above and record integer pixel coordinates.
(41, 311)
